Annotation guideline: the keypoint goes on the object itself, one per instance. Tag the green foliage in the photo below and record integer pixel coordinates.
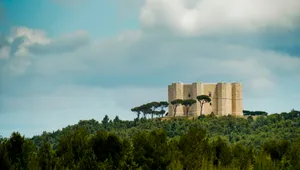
(105, 121)
(276, 148)
(150, 108)
(210, 142)
(188, 103)
(150, 149)
(46, 156)
(254, 113)
(222, 152)
(202, 99)
(5, 162)
(137, 110)
(176, 103)
(194, 146)
(108, 146)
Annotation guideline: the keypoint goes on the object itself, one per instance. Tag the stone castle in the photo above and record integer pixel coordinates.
(226, 98)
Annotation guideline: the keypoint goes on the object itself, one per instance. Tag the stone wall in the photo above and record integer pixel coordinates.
(226, 98)
(237, 99)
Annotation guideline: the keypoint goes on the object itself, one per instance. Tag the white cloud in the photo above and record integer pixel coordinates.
(63, 77)
(65, 43)
(29, 37)
(199, 17)
(26, 44)
(136, 54)
(139, 55)
(149, 62)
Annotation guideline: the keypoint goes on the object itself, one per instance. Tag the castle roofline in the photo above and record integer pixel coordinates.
(179, 82)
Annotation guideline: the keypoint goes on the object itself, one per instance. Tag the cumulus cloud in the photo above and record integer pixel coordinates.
(71, 77)
(63, 44)
(24, 44)
(156, 61)
(146, 59)
(201, 17)
(24, 37)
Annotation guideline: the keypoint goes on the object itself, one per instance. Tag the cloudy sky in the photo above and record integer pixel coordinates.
(62, 61)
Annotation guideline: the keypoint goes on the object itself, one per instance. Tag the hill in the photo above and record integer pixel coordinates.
(205, 142)
(234, 129)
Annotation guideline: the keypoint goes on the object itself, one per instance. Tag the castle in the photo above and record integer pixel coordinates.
(226, 98)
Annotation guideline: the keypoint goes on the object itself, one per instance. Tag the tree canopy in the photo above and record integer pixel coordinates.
(209, 142)
(202, 99)
(188, 103)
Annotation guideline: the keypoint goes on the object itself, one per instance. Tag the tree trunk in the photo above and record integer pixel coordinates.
(201, 109)
(175, 111)
(187, 111)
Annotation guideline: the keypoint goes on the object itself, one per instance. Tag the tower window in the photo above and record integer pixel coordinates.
(189, 95)
(210, 104)
(209, 94)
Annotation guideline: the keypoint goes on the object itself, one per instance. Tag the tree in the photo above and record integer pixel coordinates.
(108, 147)
(15, 147)
(71, 147)
(150, 149)
(163, 105)
(276, 148)
(188, 103)
(161, 113)
(116, 119)
(202, 99)
(250, 119)
(45, 156)
(137, 110)
(146, 109)
(154, 106)
(176, 103)
(194, 146)
(4, 159)
(222, 152)
(105, 121)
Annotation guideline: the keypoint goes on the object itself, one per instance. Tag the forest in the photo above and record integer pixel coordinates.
(206, 142)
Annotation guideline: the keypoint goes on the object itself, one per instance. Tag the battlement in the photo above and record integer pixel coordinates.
(226, 98)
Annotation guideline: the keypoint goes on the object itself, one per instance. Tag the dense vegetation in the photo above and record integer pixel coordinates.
(254, 113)
(207, 142)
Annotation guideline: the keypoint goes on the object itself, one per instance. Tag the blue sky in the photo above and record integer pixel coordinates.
(64, 61)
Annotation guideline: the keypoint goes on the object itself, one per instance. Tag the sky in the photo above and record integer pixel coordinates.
(62, 61)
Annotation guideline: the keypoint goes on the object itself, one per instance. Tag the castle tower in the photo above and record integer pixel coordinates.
(224, 99)
(175, 92)
(237, 103)
(197, 89)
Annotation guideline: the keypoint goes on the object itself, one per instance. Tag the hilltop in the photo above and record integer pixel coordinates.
(206, 142)
(247, 130)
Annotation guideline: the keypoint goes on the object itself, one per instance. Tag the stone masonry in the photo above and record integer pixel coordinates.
(226, 98)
